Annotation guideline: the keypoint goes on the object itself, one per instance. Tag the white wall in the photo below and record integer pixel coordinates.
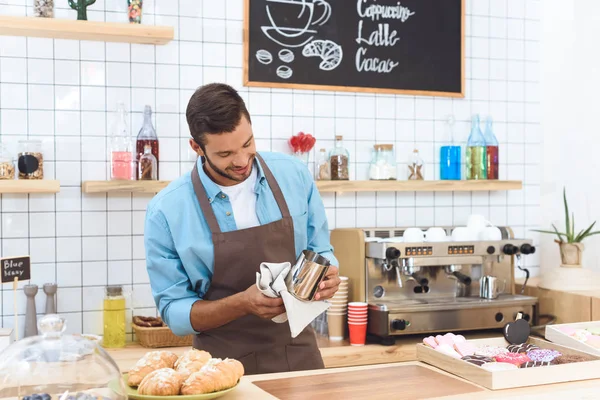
(63, 91)
(571, 121)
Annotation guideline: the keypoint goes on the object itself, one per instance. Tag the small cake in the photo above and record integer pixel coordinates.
(464, 348)
(543, 354)
(512, 358)
(477, 360)
(490, 351)
(533, 364)
(582, 335)
(571, 358)
(521, 348)
(499, 366)
(594, 331)
(444, 340)
(429, 341)
(448, 350)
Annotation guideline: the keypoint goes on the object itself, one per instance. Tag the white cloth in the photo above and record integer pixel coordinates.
(243, 201)
(271, 282)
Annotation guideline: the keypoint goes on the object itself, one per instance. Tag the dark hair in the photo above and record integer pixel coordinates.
(214, 108)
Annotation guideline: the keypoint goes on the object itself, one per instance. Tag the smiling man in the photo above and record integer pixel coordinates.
(207, 233)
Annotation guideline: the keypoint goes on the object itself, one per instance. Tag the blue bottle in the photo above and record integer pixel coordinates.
(450, 155)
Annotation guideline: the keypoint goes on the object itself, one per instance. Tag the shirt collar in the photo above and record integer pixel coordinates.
(213, 190)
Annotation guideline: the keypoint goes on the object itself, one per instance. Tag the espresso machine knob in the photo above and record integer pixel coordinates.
(391, 253)
(491, 250)
(400, 324)
(510, 249)
(527, 249)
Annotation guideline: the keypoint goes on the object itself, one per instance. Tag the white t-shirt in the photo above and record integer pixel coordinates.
(243, 201)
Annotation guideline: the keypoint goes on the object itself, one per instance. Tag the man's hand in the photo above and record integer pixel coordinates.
(329, 285)
(260, 305)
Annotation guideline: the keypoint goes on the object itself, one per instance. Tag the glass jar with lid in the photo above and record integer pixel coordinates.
(31, 160)
(7, 164)
(323, 167)
(383, 163)
(339, 161)
(55, 365)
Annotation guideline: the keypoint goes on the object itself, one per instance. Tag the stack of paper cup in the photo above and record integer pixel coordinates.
(336, 314)
(357, 323)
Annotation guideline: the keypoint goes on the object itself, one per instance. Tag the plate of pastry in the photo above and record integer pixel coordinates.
(195, 375)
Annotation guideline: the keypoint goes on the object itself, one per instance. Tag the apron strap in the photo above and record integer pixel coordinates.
(277, 193)
(205, 206)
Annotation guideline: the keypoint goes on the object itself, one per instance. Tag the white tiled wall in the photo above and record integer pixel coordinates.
(63, 92)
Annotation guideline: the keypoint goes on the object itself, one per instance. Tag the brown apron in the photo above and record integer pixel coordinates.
(262, 346)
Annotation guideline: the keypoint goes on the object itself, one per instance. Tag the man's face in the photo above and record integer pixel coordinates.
(229, 156)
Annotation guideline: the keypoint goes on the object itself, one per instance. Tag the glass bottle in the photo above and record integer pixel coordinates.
(339, 160)
(491, 146)
(476, 159)
(147, 135)
(415, 167)
(383, 162)
(147, 165)
(450, 155)
(114, 317)
(121, 156)
(323, 167)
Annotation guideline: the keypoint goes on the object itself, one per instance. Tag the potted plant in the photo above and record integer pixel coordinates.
(571, 248)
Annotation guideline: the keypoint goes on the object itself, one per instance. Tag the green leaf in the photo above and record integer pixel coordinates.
(573, 227)
(583, 235)
(559, 234)
(592, 234)
(567, 221)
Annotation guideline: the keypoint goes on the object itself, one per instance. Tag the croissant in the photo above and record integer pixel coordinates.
(152, 361)
(215, 376)
(161, 382)
(191, 361)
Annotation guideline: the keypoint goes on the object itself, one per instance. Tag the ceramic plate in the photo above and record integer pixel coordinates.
(133, 393)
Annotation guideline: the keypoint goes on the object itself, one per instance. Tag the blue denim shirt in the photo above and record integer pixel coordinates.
(178, 242)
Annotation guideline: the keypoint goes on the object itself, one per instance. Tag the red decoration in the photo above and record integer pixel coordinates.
(302, 142)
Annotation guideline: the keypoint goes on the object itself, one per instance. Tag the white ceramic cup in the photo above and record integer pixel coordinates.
(435, 235)
(490, 233)
(413, 235)
(461, 234)
(476, 221)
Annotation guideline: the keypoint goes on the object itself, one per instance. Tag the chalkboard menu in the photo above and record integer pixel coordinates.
(386, 46)
(15, 268)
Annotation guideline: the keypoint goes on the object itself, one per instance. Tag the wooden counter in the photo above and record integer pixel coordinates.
(335, 354)
(567, 306)
(420, 390)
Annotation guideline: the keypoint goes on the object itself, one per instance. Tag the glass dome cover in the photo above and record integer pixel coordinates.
(58, 366)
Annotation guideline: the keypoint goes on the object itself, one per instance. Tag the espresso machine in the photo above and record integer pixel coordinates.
(415, 288)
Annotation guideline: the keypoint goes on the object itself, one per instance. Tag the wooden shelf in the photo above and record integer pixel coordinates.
(29, 186)
(326, 186)
(123, 186)
(417, 186)
(85, 30)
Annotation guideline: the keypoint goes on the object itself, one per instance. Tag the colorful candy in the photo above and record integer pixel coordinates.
(543, 354)
(490, 351)
(521, 348)
(477, 360)
(512, 358)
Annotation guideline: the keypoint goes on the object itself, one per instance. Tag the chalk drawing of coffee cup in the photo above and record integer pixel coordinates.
(299, 31)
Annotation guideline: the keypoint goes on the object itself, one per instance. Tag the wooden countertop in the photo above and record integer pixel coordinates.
(572, 390)
(335, 354)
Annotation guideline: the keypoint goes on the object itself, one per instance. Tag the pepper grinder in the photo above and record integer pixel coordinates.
(30, 314)
(50, 290)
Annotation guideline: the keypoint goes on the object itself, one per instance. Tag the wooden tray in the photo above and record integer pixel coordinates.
(402, 382)
(514, 378)
(555, 335)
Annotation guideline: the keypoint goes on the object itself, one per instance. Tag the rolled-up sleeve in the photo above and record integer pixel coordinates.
(318, 227)
(171, 287)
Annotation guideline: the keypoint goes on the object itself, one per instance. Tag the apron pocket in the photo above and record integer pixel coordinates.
(303, 357)
(249, 363)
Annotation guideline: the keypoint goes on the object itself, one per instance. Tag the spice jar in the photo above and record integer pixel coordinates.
(383, 163)
(339, 159)
(323, 167)
(7, 165)
(31, 161)
(415, 167)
